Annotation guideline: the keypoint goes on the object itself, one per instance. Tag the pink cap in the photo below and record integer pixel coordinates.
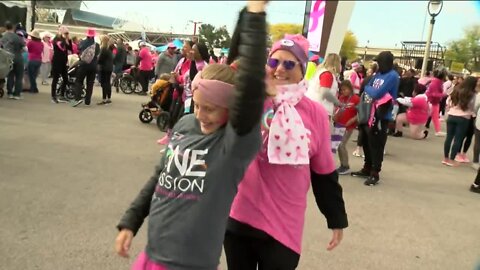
(296, 44)
(217, 92)
(355, 65)
(91, 32)
(314, 58)
(171, 45)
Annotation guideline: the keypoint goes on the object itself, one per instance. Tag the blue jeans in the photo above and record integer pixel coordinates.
(456, 129)
(15, 77)
(33, 69)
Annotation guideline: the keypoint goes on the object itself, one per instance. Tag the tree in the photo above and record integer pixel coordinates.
(277, 31)
(214, 37)
(349, 44)
(467, 49)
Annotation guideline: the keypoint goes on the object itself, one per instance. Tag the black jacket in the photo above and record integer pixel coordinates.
(121, 56)
(244, 113)
(105, 60)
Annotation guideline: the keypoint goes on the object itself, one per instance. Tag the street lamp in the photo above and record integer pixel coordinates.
(434, 8)
(366, 48)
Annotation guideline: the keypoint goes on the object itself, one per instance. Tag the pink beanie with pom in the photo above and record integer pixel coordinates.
(297, 45)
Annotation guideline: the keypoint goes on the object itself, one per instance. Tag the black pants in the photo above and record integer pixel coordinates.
(373, 141)
(144, 77)
(15, 78)
(469, 135)
(476, 146)
(443, 105)
(456, 128)
(105, 77)
(85, 71)
(477, 179)
(247, 252)
(57, 71)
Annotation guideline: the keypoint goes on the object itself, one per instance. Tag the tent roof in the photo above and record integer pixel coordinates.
(94, 18)
(59, 4)
(178, 43)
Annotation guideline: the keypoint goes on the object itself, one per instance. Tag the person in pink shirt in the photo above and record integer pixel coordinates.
(35, 50)
(47, 55)
(145, 65)
(267, 217)
(435, 96)
(356, 77)
(416, 115)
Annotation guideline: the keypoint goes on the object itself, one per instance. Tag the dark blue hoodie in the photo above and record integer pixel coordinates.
(386, 80)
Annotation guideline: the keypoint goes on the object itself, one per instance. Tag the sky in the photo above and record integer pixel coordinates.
(384, 24)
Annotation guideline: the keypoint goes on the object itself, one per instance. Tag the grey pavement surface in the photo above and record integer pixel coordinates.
(67, 174)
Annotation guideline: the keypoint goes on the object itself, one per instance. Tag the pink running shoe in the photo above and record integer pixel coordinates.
(164, 140)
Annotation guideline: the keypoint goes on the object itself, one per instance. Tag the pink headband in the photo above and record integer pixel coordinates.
(217, 92)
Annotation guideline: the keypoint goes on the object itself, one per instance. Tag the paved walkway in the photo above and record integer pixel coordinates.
(67, 174)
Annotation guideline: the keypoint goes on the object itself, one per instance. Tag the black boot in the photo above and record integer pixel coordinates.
(363, 173)
(373, 179)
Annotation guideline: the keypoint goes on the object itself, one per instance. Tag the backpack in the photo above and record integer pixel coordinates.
(6, 63)
(88, 54)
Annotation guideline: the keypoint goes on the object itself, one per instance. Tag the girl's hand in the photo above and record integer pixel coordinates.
(123, 242)
(337, 236)
(256, 6)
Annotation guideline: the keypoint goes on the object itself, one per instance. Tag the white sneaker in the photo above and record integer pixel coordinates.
(440, 134)
(17, 97)
(10, 96)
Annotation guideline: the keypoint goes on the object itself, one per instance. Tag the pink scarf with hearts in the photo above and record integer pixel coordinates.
(287, 140)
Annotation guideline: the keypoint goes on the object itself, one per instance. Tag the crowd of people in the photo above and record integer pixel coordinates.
(246, 127)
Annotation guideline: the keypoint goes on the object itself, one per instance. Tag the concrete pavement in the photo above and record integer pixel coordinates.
(67, 175)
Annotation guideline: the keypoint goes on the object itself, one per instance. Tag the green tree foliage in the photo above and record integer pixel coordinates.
(214, 37)
(349, 44)
(277, 31)
(467, 49)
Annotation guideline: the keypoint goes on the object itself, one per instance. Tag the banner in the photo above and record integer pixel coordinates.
(315, 24)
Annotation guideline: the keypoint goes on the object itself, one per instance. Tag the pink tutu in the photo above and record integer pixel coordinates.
(144, 263)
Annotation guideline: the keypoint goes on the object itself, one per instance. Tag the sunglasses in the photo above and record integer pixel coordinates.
(287, 64)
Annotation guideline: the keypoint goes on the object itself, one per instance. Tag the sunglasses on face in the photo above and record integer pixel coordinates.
(287, 64)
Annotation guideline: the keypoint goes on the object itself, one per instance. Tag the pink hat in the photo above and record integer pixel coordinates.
(314, 58)
(217, 92)
(91, 32)
(63, 29)
(296, 44)
(355, 65)
(171, 45)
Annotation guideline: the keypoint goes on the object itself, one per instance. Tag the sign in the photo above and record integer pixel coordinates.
(456, 67)
(315, 24)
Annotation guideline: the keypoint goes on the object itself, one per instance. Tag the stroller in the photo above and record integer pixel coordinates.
(158, 107)
(70, 84)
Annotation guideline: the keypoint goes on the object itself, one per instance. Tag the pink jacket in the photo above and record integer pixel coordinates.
(419, 112)
(435, 91)
(47, 54)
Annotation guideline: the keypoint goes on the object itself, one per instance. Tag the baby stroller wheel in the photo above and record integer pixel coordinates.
(145, 116)
(162, 121)
(126, 86)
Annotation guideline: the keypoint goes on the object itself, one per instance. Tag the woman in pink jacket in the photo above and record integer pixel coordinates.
(435, 96)
(416, 115)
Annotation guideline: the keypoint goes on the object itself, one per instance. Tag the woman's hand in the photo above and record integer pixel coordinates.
(256, 6)
(123, 242)
(337, 236)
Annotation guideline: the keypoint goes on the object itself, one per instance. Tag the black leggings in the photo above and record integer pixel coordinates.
(456, 128)
(247, 252)
(56, 73)
(105, 81)
(476, 146)
(373, 141)
(469, 135)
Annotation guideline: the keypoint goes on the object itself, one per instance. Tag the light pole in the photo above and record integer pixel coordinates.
(434, 8)
(194, 26)
(365, 54)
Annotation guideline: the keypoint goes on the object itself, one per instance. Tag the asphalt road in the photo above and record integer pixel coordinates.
(67, 174)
